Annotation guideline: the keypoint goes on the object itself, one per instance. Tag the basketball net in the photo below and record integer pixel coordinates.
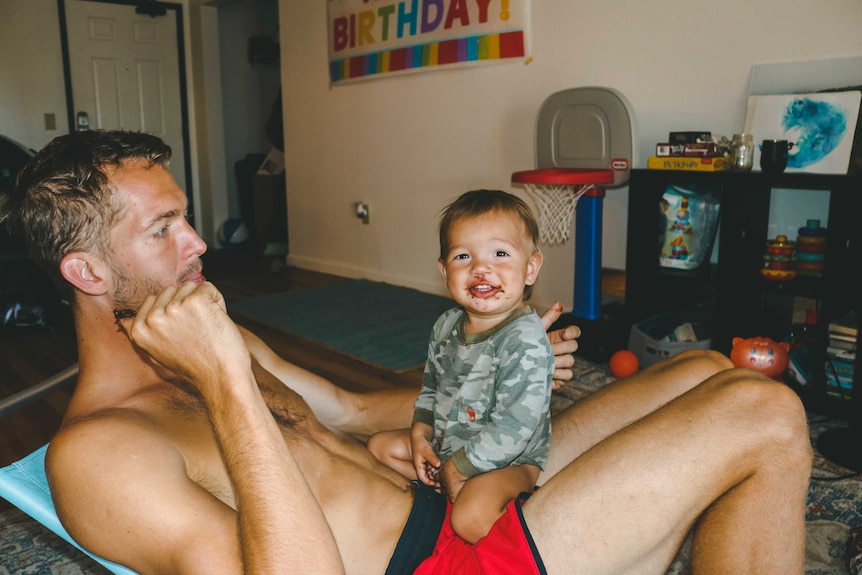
(556, 207)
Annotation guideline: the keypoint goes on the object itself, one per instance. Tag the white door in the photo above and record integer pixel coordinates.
(125, 73)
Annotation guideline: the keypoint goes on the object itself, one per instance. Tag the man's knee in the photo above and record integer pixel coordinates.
(773, 409)
(708, 359)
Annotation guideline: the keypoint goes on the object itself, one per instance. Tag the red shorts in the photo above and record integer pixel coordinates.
(508, 548)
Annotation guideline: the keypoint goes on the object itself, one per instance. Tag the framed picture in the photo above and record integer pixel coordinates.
(819, 126)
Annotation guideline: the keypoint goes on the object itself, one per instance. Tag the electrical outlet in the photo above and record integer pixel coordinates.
(362, 212)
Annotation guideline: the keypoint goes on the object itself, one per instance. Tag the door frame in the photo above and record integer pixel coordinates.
(181, 60)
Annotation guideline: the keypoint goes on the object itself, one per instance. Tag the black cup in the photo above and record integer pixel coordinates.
(773, 155)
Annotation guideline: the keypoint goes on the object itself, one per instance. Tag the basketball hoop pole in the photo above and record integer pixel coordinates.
(588, 255)
(587, 298)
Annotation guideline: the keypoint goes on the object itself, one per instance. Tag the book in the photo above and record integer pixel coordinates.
(841, 341)
(841, 353)
(710, 164)
(839, 392)
(846, 324)
(840, 368)
(840, 382)
(689, 149)
(689, 137)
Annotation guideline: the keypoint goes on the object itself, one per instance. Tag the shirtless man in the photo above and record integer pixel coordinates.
(190, 447)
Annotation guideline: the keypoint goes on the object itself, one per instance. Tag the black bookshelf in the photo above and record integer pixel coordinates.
(733, 285)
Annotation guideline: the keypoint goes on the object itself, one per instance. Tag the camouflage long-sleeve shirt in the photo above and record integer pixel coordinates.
(488, 395)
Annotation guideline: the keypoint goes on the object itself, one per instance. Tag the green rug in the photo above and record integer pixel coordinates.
(378, 323)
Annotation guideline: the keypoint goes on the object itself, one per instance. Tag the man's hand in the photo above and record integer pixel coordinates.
(187, 330)
(564, 343)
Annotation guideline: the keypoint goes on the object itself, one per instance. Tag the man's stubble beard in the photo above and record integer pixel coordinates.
(130, 294)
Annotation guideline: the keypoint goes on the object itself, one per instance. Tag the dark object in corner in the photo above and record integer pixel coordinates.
(28, 299)
(263, 50)
(13, 156)
(263, 202)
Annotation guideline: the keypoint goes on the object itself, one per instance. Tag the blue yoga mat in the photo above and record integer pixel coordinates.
(378, 323)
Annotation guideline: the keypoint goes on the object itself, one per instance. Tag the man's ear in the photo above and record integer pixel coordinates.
(534, 264)
(83, 271)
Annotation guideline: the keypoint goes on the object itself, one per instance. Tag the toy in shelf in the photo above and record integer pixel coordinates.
(778, 261)
(690, 219)
(810, 249)
(761, 354)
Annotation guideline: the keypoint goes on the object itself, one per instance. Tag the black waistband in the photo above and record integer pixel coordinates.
(421, 531)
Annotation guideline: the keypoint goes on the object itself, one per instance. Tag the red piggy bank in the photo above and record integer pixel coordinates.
(760, 354)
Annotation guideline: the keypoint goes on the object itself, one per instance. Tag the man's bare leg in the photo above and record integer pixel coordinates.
(732, 454)
(611, 408)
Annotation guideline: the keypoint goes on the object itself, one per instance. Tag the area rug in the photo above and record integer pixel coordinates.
(834, 506)
(378, 323)
(29, 548)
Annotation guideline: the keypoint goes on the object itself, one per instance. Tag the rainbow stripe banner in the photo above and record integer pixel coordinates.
(373, 38)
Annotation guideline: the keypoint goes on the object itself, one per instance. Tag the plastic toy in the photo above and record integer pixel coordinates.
(778, 260)
(690, 221)
(760, 354)
(811, 249)
(624, 363)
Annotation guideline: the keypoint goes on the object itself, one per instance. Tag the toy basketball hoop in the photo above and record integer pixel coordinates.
(584, 145)
(555, 192)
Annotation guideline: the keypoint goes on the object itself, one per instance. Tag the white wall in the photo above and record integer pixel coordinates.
(31, 85)
(407, 145)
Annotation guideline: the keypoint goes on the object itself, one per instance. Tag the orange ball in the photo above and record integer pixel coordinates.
(624, 363)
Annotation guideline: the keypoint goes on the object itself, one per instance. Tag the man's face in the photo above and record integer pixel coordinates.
(152, 245)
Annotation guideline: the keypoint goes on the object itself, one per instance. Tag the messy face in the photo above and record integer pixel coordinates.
(490, 260)
(152, 244)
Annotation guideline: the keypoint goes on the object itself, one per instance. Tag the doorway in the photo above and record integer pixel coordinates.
(124, 69)
(250, 84)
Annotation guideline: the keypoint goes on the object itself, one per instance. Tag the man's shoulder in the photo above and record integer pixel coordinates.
(101, 456)
(86, 448)
(108, 474)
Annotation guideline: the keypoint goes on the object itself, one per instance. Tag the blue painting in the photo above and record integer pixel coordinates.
(815, 127)
(820, 128)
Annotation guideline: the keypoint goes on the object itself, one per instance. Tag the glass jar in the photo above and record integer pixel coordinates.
(742, 152)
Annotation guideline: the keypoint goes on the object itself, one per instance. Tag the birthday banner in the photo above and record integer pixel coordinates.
(374, 38)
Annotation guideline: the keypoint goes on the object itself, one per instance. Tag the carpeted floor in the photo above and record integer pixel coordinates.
(29, 548)
(378, 323)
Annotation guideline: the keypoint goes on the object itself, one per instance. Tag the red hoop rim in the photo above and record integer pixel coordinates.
(564, 176)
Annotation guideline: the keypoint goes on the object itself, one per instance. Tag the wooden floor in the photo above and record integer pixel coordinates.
(36, 354)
